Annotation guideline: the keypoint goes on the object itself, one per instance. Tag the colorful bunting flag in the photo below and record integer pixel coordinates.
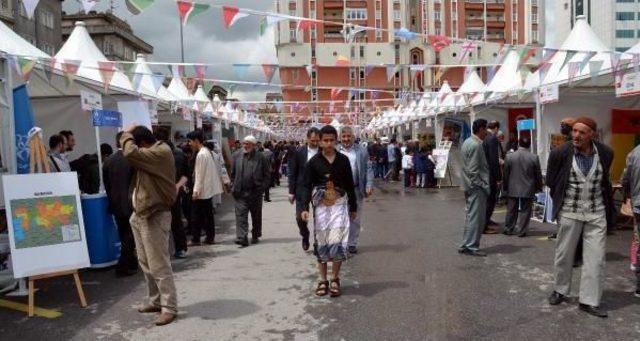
(107, 69)
(201, 71)
(542, 71)
(29, 7)
(526, 54)
(567, 57)
(263, 26)
(26, 66)
(594, 68)
(207, 86)
(70, 68)
(615, 63)
(189, 10)
(136, 80)
(309, 69)
(405, 34)
(391, 71)
(574, 68)
(467, 47)
(335, 92)
(368, 69)
(231, 15)
(269, 71)
(586, 59)
(439, 42)
(305, 24)
(342, 61)
(157, 79)
(547, 54)
(47, 66)
(136, 7)
(439, 74)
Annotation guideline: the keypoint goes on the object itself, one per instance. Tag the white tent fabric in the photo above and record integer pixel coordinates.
(472, 85)
(80, 46)
(179, 90)
(445, 89)
(14, 44)
(506, 80)
(146, 84)
(200, 96)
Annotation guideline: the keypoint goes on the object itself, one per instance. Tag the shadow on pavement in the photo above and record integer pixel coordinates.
(395, 248)
(220, 309)
(616, 300)
(615, 256)
(279, 240)
(372, 289)
(505, 249)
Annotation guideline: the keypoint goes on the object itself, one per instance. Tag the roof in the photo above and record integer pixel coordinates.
(14, 44)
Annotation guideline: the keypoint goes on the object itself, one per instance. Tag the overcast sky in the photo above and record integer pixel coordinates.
(206, 39)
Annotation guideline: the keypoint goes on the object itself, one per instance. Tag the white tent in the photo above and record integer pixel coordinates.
(436, 103)
(14, 44)
(506, 80)
(471, 86)
(146, 84)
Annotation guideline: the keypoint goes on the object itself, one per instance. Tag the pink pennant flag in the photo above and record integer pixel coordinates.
(269, 71)
(574, 68)
(29, 7)
(201, 71)
(335, 92)
(231, 15)
(107, 69)
(305, 24)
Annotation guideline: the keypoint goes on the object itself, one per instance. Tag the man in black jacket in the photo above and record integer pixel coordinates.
(296, 167)
(117, 175)
(578, 176)
(492, 148)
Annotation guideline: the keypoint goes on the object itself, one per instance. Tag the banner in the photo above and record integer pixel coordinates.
(629, 85)
(549, 94)
(90, 100)
(23, 116)
(106, 118)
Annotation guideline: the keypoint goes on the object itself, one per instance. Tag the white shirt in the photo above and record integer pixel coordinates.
(207, 179)
(311, 153)
(407, 162)
(353, 160)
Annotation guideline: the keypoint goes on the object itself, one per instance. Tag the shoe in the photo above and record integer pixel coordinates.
(553, 236)
(492, 223)
(192, 243)
(475, 253)
(637, 293)
(125, 273)
(255, 240)
(267, 200)
(556, 298)
(181, 254)
(305, 244)
(593, 310)
(242, 242)
(507, 233)
(164, 319)
(149, 308)
(522, 235)
(353, 250)
(490, 230)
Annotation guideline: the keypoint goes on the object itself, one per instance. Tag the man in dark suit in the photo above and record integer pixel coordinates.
(491, 146)
(296, 168)
(522, 180)
(117, 174)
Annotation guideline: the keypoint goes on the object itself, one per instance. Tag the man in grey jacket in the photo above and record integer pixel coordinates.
(522, 180)
(362, 178)
(475, 182)
(631, 185)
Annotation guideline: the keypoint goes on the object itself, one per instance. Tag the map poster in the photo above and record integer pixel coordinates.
(44, 219)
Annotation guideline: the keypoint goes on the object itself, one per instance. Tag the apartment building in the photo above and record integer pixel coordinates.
(42, 30)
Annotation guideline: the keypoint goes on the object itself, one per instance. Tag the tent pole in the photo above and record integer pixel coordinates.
(12, 158)
(538, 124)
(99, 160)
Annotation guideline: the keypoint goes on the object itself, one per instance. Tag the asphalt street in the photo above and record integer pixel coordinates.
(406, 283)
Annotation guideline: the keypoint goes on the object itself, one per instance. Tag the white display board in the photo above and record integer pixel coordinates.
(135, 113)
(441, 156)
(629, 85)
(44, 218)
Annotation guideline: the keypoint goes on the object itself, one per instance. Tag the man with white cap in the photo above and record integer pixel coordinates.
(251, 175)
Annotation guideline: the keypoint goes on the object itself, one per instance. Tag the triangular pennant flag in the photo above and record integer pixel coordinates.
(342, 61)
(191, 83)
(586, 59)
(136, 80)
(129, 69)
(467, 48)
(405, 34)
(542, 71)
(269, 71)
(47, 67)
(305, 24)
(30, 7)
(615, 62)
(88, 5)
(374, 94)
(567, 57)
(232, 89)
(274, 19)
(520, 94)
(309, 69)
(487, 94)
(547, 54)
(107, 69)
(241, 70)
(390, 72)
(70, 68)
(136, 7)
(207, 86)
(177, 70)
(189, 10)
(439, 74)
(263, 26)
(231, 15)
(574, 68)
(524, 73)
(26, 66)
(368, 69)
(594, 68)
(526, 54)
(335, 92)
(201, 72)
(439, 42)
(157, 79)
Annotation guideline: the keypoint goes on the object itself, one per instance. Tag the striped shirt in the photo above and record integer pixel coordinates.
(585, 162)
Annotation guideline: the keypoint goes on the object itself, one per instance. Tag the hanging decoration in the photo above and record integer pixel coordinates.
(26, 67)
(439, 42)
(189, 10)
(107, 69)
(136, 7)
(269, 71)
(70, 68)
(88, 5)
(30, 7)
(231, 15)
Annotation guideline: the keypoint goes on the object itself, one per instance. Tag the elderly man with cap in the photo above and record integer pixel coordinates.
(578, 176)
(251, 175)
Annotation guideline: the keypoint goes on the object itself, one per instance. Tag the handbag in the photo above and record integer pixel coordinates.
(626, 209)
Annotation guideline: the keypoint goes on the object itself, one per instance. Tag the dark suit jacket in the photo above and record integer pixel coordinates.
(295, 168)
(522, 174)
(559, 171)
(492, 152)
(257, 178)
(117, 174)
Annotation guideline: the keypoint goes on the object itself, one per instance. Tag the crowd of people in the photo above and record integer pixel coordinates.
(391, 158)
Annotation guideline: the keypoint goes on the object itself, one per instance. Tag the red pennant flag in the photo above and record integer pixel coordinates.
(70, 68)
(305, 24)
(107, 69)
(231, 15)
(269, 71)
(439, 42)
(335, 93)
(201, 71)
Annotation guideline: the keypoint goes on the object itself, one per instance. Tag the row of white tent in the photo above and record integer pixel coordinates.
(80, 47)
(508, 83)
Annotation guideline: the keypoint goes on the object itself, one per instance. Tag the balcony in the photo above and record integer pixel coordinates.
(495, 23)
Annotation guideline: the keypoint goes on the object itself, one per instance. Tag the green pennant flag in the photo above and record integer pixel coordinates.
(207, 86)
(136, 7)
(263, 26)
(188, 10)
(568, 55)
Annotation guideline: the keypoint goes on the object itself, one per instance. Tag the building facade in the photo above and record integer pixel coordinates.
(617, 23)
(42, 30)
(111, 34)
(491, 22)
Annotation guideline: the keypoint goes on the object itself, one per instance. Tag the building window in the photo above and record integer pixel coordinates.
(396, 14)
(352, 74)
(625, 16)
(622, 49)
(293, 35)
(378, 14)
(314, 94)
(361, 75)
(378, 34)
(314, 74)
(313, 51)
(397, 50)
(534, 18)
(356, 14)
(436, 15)
(353, 51)
(313, 33)
(312, 14)
(361, 51)
(623, 1)
(292, 12)
(534, 35)
(47, 19)
(624, 34)
(294, 74)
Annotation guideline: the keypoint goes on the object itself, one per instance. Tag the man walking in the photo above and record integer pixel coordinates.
(206, 184)
(475, 182)
(491, 146)
(251, 174)
(522, 180)
(578, 176)
(631, 185)
(362, 179)
(117, 176)
(154, 193)
(297, 162)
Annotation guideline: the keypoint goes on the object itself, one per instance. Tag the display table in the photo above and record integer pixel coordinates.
(102, 234)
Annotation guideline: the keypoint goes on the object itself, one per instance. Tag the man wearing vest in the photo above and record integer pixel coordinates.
(578, 176)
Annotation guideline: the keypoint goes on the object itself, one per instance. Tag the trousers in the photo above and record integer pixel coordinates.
(491, 204)
(355, 225)
(421, 180)
(245, 205)
(518, 213)
(152, 242)
(303, 227)
(127, 260)
(594, 235)
(203, 220)
(475, 208)
(177, 227)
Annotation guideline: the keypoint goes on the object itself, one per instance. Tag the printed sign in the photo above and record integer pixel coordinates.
(526, 125)
(549, 94)
(629, 85)
(106, 118)
(90, 100)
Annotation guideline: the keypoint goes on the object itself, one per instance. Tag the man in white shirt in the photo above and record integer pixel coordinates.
(57, 158)
(362, 171)
(206, 184)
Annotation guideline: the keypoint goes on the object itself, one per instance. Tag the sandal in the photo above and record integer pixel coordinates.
(323, 288)
(335, 290)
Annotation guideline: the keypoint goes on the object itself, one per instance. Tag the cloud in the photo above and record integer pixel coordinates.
(205, 39)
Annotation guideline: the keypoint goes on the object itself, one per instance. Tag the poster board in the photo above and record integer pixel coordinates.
(441, 156)
(135, 113)
(549, 94)
(629, 85)
(46, 228)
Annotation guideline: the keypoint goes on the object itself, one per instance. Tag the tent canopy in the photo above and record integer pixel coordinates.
(14, 44)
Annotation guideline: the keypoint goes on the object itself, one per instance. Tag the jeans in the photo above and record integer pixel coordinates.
(421, 180)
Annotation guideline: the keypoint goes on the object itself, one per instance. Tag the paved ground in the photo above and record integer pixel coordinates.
(407, 283)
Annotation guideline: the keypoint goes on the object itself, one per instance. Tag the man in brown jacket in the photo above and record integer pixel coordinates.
(154, 193)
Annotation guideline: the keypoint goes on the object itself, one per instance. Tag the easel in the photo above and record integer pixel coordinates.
(38, 162)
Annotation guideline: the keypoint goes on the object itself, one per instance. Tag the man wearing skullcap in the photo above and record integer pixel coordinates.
(251, 175)
(578, 176)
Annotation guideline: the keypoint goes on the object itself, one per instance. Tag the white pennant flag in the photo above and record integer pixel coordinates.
(88, 5)
(30, 7)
